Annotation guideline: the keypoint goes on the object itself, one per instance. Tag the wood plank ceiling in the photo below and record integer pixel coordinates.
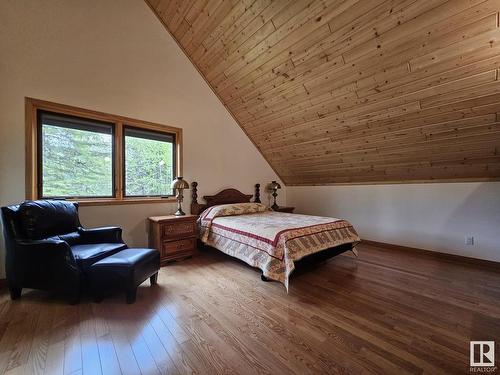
(353, 91)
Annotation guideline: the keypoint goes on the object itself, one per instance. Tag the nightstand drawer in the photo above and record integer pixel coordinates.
(180, 229)
(173, 248)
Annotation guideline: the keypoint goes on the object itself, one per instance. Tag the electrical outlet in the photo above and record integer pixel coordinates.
(469, 240)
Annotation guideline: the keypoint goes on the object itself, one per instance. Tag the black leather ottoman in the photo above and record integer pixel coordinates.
(125, 270)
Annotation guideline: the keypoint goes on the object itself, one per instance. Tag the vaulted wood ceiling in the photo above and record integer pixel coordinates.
(353, 91)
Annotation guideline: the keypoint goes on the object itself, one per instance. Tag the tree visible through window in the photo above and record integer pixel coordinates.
(77, 157)
(149, 162)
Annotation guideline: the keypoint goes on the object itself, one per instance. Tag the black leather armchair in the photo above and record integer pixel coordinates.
(47, 248)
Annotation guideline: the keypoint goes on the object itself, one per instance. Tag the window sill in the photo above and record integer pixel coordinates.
(110, 201)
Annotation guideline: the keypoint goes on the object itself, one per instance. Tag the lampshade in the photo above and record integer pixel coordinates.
(179, 183)
(274, 185)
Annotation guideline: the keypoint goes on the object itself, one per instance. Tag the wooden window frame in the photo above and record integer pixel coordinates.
(33, 106)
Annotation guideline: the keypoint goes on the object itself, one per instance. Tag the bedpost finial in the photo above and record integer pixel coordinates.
(257, 193)
(194, 191)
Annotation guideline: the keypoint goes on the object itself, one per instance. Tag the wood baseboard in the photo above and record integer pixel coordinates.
(489, 264)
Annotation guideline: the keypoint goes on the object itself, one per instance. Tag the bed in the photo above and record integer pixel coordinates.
(272, 241)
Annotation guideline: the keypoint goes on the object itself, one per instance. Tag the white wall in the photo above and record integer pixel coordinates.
(434, 216)
(115, 57)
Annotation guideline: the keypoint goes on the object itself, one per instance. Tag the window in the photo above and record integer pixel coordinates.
(97, 158)
(149, 162)
(76, 157)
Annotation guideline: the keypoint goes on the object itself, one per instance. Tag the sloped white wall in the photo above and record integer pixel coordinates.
(435, 217)
(115, 57)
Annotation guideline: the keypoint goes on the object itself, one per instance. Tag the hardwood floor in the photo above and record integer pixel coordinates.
(386, 312)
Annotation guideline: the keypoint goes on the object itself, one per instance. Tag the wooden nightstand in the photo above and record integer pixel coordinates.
(285, 209)
(173, 236)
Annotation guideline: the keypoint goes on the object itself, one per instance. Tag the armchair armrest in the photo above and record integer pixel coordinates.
(101, 235)
(48, 247)
(46, 250)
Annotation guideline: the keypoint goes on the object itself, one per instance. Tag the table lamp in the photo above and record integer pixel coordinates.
(178, 185)
(274, 186)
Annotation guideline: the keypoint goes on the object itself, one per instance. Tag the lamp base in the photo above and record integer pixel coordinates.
(275, 206)
(180, 212)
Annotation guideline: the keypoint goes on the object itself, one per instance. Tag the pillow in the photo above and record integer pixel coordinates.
(232, 209)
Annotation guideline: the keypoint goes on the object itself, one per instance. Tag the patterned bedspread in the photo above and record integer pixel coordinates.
(270, 240)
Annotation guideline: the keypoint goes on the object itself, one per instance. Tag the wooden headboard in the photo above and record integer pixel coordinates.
(225, 196)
